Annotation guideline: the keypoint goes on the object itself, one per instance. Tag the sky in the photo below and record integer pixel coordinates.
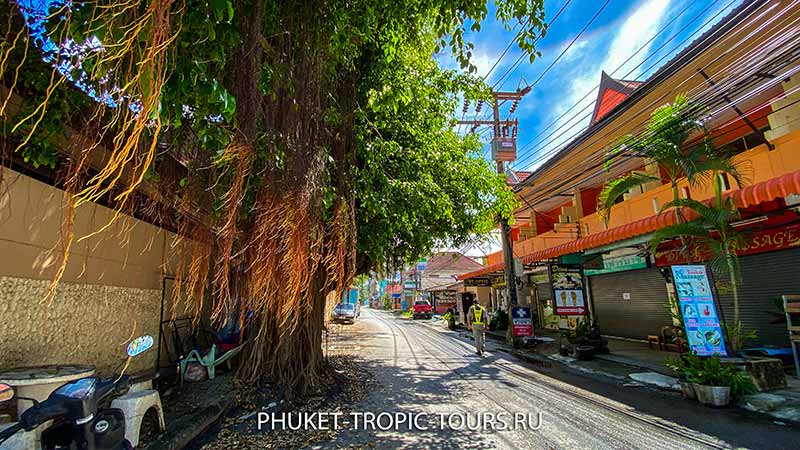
(629, 39)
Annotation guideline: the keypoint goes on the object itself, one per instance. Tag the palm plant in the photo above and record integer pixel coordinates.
(664, 141)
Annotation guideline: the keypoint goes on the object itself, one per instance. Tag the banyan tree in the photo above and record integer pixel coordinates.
(272, 136)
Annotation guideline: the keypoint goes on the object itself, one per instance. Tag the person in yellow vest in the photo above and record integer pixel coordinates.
(476, 321)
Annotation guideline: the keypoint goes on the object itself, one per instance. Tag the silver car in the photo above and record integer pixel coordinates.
(345, 312)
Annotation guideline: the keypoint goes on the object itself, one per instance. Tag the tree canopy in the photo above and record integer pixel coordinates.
(277, 137)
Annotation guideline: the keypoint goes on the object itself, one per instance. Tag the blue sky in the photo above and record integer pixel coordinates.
(649, 30)
(624, 28)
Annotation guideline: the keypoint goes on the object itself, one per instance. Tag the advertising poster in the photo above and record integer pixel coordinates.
(568, 295)
(699, 312)
(521, 321)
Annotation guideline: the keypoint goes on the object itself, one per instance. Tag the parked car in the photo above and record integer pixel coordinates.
(345, 312)
(422, 309)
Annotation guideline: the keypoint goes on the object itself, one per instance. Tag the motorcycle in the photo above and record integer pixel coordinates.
(78, 421)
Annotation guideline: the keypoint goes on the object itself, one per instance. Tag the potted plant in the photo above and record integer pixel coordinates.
(686, 367)
(715, 384)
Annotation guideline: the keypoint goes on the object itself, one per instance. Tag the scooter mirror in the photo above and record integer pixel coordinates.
(140, 345)
(6, 392)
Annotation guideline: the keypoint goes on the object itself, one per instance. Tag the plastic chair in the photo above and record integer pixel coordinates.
(210, 361)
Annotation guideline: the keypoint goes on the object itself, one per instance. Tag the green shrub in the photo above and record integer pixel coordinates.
(711, 372)
(499, 320)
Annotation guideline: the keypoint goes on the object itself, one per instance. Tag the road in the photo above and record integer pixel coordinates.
(432, 373)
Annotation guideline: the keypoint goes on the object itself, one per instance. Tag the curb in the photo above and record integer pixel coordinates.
(186, 428)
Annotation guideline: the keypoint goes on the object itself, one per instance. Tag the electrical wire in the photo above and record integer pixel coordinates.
(587, 106)
(521, 56)
(681, 12)
(646, 109)
(566, 49)
(715, 91)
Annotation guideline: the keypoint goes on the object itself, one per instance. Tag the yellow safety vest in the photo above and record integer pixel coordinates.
(477, 314)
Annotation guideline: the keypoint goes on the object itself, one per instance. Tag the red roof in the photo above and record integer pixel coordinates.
(778, 187)
(610, 94)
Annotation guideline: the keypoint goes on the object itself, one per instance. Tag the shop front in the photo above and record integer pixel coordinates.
(630, 297)
(768, 265)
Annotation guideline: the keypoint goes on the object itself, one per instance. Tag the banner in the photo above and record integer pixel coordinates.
(757, 242)
(698, 310)
(568, 294)
(478, 282)
(521, 321)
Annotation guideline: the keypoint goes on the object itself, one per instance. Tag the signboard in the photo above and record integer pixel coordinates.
(498, 282)
(478, 282)
(422, 265)
(613, 264)
(539, 278)
(521, 321)
(757, 242)
(446, 297)
(568, 295)
(698, 310)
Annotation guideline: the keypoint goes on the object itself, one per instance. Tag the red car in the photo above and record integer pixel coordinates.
(422, 309)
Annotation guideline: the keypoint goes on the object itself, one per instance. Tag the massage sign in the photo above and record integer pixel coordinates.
(568, 294)
(699, 312)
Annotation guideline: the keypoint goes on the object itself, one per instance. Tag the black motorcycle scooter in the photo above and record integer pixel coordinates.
(78, 423)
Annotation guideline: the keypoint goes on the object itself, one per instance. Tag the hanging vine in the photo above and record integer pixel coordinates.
(252, 126)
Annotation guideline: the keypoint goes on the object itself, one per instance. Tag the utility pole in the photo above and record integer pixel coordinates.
(504, 149)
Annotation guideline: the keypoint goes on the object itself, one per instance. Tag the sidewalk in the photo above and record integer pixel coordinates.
(634, 364)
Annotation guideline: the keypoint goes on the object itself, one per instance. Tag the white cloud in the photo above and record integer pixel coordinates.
(632, 35)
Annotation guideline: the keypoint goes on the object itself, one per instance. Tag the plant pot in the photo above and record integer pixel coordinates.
(712, 395)
(687, 389)
(584, 352)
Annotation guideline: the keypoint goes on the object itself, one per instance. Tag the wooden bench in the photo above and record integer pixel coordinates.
(791, 305)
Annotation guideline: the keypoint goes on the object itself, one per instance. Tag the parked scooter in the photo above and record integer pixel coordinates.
(78, 421)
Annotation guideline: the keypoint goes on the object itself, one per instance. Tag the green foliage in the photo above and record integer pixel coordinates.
(736, 336)
(499, 320)
(419, 184)
(711, 372)
(387, 301)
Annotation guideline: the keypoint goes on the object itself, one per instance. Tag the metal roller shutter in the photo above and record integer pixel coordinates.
(765, 276)
(643, 314)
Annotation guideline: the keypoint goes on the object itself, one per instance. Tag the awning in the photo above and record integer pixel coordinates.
(766, 191)
(485, 271)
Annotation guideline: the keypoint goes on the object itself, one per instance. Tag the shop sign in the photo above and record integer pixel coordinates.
(422, 264)
(539, 278)
(446, 297)
(498, 282)
(521, 321)
(613, 264)
(696, 300)
(477, 282)
(410, 284)
(757, 242)
(568, 294)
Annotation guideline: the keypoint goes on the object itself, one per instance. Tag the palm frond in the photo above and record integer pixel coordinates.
(692, 229)
(615, 189)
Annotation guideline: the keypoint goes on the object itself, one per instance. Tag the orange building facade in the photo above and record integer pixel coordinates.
(743, 71)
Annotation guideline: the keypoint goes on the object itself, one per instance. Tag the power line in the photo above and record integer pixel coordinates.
(743, 62)
(594, 89)
(514, 39)
(533, 139)
(517, 62)
(707, 92)
(566, 49)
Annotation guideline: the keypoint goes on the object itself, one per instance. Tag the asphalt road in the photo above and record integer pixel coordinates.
(430, 374)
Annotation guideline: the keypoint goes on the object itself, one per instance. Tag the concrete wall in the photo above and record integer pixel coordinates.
(111, 289)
